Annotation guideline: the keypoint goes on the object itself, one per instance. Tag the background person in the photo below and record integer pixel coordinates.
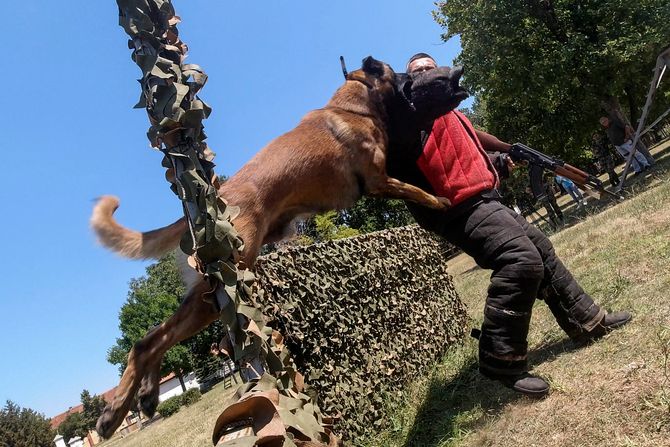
(605, 158)
(620, 136)
(571, 189)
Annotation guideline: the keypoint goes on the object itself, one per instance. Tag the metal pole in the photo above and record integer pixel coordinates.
(661, 63)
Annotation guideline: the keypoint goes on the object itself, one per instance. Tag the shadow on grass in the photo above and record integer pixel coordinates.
(466, 402)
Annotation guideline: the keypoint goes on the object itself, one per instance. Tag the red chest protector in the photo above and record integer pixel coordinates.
(453, 160)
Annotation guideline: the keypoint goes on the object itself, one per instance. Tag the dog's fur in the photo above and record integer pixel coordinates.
(334, 155)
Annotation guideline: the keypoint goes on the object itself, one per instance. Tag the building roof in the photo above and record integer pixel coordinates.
(59, 418)
(168, 377)
(107, 395)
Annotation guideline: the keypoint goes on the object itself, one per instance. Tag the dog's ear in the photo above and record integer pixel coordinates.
(373, 66)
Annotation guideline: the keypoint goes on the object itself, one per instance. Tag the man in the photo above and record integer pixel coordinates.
(549, 201)
(571, 189)
(604, 157)
(448, 157)
(620, 136)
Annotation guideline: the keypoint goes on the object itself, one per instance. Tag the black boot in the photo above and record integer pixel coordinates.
(525, 383)
(608, 324)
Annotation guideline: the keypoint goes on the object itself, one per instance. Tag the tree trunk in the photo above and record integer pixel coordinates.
(180, 376)
(612, 106)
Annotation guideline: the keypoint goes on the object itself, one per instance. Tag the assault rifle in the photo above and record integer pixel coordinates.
(538, 162)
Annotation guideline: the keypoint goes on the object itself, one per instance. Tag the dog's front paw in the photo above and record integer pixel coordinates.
(107, 422)
(442, 203)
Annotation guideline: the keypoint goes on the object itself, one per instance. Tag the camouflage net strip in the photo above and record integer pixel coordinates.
(363, 317)
(169, 94)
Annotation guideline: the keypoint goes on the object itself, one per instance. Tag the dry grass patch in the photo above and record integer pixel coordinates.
(190, 427)
(615, 392)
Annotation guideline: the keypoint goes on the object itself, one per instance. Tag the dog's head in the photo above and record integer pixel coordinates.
(378, 76)
(433, 93)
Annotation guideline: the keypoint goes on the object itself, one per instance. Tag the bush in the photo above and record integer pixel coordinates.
(169, 406)
(190, 397)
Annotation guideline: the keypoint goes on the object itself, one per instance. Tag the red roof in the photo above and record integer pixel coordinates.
(168, 377)
(59, 418)
(107, 395)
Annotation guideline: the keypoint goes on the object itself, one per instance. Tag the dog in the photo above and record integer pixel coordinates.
(334, 156)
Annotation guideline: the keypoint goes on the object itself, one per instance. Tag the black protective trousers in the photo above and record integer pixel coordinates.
(524, 267)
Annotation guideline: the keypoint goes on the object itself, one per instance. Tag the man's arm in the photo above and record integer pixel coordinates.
(497, 151)
(491, 143)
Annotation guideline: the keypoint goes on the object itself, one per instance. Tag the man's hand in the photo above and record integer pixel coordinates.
(510, 163)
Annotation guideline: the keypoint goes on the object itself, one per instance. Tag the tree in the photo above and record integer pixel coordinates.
(23, 427)
(80, 423)
(367, 215)
(374, 214)
(546, 69)
(92, 409)
(151, 300)
(203, 361)
(73, 426)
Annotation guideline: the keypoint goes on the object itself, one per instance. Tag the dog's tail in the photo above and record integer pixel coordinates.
(129, 243)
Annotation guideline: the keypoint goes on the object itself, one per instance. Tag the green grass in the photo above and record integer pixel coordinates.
(615, 392)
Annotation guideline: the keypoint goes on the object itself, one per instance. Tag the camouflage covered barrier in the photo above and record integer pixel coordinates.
(363, 316)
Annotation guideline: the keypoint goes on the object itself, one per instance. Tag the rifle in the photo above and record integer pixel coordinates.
(539, 161)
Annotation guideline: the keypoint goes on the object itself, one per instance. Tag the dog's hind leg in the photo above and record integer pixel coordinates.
(395, 189)
(193, 315)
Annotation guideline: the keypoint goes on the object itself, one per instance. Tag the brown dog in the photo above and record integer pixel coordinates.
(334, 155)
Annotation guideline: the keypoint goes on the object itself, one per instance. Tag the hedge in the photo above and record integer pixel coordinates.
(172, 405)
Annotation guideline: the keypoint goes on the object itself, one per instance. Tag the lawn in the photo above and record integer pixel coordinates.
(190, 427)
(615, 392)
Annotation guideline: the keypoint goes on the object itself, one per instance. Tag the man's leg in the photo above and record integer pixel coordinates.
(574, 196)
(642, 148)
(575, 311)
(492, 236)
(624, 150)
(641, 160)
(614, 179)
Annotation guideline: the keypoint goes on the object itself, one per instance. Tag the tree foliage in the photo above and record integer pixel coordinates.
(546, 69)
(367, 215)
(374, 214)
(23, 427)
(151, 300)
(79, 424)
(73, 426)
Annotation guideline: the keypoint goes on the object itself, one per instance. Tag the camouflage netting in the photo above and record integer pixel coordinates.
(363, 316)
(275, 406)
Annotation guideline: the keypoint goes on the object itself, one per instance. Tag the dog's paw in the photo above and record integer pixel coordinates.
(107, 423)
(149, 403)
(442, 203)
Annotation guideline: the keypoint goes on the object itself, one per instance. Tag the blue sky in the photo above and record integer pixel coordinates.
(70, 135)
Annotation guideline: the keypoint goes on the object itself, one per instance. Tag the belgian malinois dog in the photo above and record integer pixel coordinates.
(334, 156)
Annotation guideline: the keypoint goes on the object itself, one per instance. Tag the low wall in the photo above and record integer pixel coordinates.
(363, 316)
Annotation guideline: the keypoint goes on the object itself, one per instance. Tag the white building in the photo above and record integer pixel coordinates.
(170, 386)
